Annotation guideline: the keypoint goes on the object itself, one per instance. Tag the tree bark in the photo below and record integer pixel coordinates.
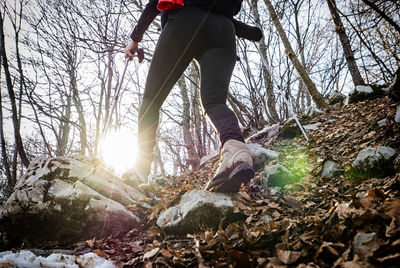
(17, 134)
(344, 40)
(312, 89)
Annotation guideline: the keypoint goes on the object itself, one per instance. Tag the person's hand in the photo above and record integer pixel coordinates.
(131, 49)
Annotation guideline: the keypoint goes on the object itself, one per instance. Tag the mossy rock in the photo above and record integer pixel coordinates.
(372, 163)
(367, 92)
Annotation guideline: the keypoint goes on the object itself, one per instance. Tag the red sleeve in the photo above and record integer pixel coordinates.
(149, 13)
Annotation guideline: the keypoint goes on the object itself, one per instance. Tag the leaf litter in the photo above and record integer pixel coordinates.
(315, 222)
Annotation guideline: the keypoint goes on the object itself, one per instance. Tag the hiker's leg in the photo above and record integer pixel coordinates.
(217, 65)
(174, 51)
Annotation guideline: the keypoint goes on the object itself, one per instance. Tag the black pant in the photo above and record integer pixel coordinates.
(191, 33)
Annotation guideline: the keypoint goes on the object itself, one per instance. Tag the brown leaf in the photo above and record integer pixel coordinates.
(292, 202)
(356, 264)
(101, 253)
(151, 253)
(7, 263)
(288, 257)
(327, 250)
(90, 242)
(149, 265)
(392, 208)
(275, 214)
(241, 259)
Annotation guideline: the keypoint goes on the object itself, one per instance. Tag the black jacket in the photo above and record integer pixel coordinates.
(228, 8)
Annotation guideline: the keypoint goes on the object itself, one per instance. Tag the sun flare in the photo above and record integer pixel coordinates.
(118, 150)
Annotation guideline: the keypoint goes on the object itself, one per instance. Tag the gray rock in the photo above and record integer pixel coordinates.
(361, 238)
(313, 112)
(375, 162)
(364, 89)
(383, 122)
(158, 180)
(346, 101)
(365, 92)
(67, 199)
(387, 152)
(276, 175)
(397, 117)
(197, 210)
(312, 127)
(330, 169)
(261, 155)
(336, 97)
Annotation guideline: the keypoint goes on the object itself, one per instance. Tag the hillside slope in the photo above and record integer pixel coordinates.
(315, 222)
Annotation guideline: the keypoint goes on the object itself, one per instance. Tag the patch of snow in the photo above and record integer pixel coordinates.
(26, 258)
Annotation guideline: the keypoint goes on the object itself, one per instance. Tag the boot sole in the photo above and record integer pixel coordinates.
(242, 173)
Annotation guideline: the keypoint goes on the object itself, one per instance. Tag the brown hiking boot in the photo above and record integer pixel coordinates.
(236, 168)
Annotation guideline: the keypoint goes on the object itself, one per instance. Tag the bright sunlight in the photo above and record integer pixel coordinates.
(118, 150)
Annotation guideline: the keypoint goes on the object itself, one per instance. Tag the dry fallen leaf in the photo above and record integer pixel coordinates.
(151, 253)
(101, 253)
(288, 257)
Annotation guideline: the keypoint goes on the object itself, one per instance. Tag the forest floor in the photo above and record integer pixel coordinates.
(316, 222)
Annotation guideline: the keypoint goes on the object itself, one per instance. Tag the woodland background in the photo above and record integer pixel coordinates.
(61, 62)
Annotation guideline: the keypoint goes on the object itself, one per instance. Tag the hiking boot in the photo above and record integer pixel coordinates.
(236, 168)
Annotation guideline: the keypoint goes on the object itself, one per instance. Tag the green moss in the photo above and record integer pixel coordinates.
(351, 173)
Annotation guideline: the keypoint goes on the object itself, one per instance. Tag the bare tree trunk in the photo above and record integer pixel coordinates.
(100, 112)
(187, 135)
(158, 161)
(267, 77)
(79, 109)
(64, 128)
(348, 52)
(6, 164)
(382, 14)
(237, 111)
(17, 134)
(110, 74)
(312, 89)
